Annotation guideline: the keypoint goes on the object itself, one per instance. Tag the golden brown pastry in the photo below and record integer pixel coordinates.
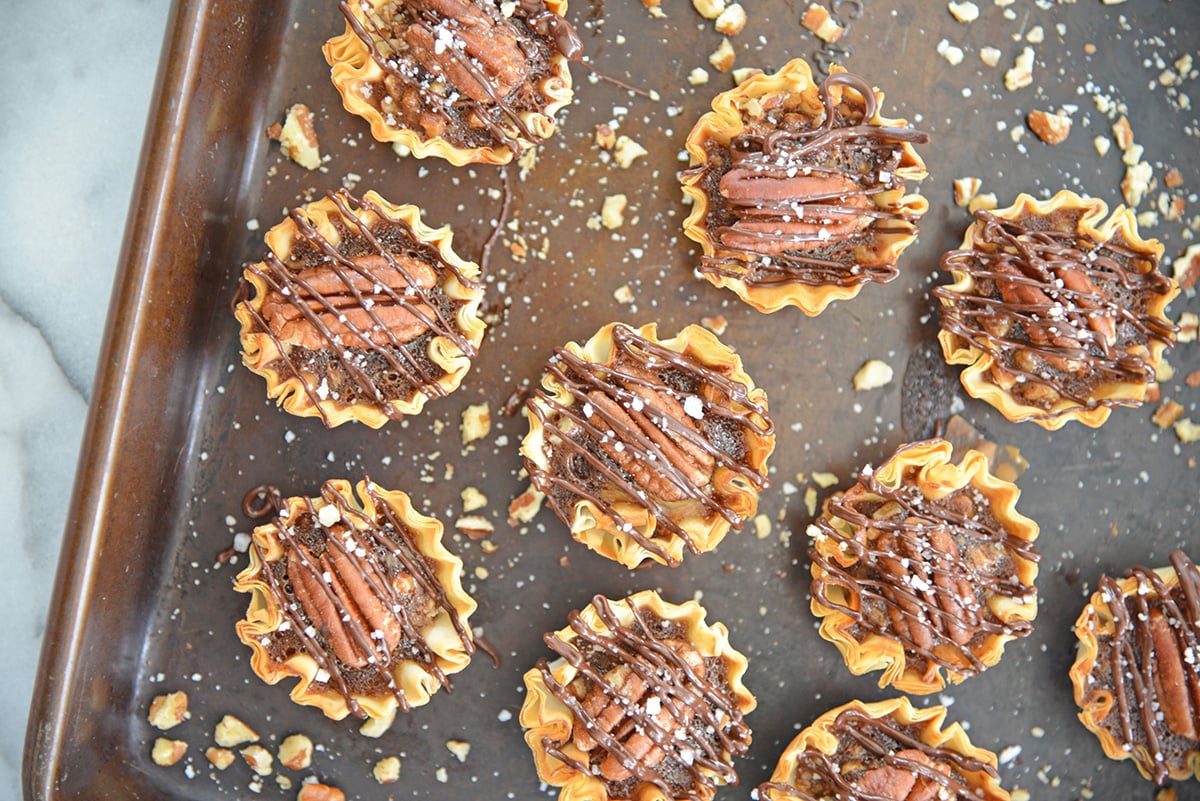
(359, 311)
(464, 80)
(798, 189)
(646, 447)
(1058, 314)
(1137, 671)
(924, 569)
(885, 750)
(644, 702)
(357, 598)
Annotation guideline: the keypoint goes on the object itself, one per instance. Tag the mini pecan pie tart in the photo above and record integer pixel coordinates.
(884, 751)
(358, 599)
(464, 80)
(359, 311)
(644, 702)
(1137, 670)
(1057, 315)
(644, 448)
(924, 569)
(798, 189)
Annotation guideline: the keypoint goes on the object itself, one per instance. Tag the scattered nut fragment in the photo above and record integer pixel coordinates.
(1192, 379)
(606, 137)
(698, 76)
(1187, 431)
(1021, 74)
(709, 9)
(627, 151)
(612, 213)
(460, 749)
(476, 527)
(1164, 372)
(259, 759)
(296, 752)
(1188, 325)
(964, 12)
(723, 57)
(872, 375)
(623, 294)
(298, 138)
(1166, 414)
(167, 752)
(1036, 35)
(1187, 267)
(219, 758)
(824, 480)
(818, 20)
(1102, 145)
(731, 21)
(1050, 128)
(168, 710)
(284, 782)
(990, 56)
(762, 526)
(1123, 133)
(965, 190)
(810, 501)
(716, 324)
(952, 53)
(476, 422)
(387, 770)
(525, 506)
(320, 792)
(232, 732)
(1136, 182)
(472, 499)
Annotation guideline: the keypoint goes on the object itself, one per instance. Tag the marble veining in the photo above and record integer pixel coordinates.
(71, 137)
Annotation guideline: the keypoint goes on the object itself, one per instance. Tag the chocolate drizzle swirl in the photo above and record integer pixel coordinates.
(677, 733)
(921, 571)
(1057, 309)
(493, 65)
(372, 301)
(877, 747)
(1151, 665)
(383, 557)
(790, 203)
(649, 428)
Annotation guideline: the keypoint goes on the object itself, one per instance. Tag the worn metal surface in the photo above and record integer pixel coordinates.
(180, 432)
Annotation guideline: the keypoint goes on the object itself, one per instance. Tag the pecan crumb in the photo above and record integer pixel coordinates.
(296, 752)
(231, 732)
(387, 770)
(167, 752)
(723, 57)
(731, 21)
(460, 749)
(1166, 414)
(525, 506)
(1187, 267)
(1021, 74)
(872, 375)
(818, 20)
(476, 422)
(476, 527)
(298, 138)
(717, 324)
(219, 758)
(1050, 128)
(320, 792)
(169, 710)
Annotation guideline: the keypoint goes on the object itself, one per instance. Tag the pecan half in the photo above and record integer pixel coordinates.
(771, 210)
(1170, 679)
(477, 55)
(338, 306)
(337, 597)
(623, 705)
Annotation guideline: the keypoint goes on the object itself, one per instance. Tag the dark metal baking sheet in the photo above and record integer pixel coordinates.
(179, 432)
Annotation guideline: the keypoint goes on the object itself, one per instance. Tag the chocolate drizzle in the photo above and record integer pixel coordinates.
(1057, 309)
(383, 556)
(493, 65)
(685, 715)
(648, 428)
(371, 303)
(921, 571)
(795, 204)
(876, 746)
(1151, 665)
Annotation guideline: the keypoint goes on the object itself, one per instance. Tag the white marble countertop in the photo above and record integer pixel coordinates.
(71, 138)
